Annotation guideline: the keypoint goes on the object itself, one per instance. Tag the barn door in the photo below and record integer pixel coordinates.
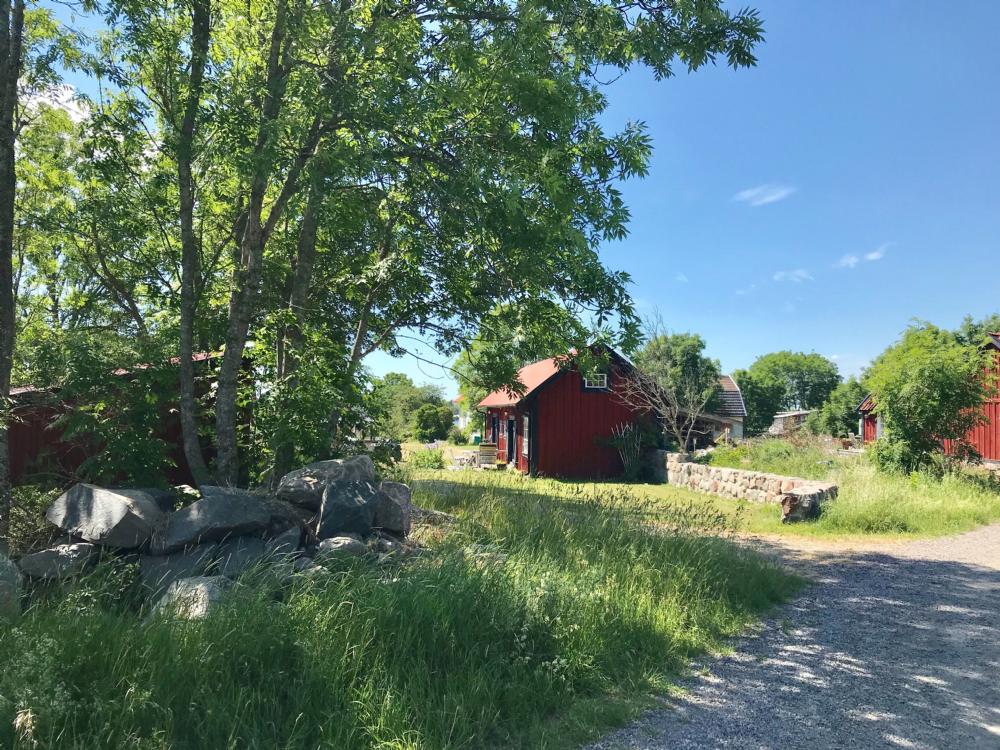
(511, 440)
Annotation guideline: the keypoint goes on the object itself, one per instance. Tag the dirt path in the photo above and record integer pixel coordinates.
(897, 645)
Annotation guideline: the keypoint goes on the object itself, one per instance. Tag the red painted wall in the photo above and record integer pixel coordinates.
(573, 424)
(871, 422)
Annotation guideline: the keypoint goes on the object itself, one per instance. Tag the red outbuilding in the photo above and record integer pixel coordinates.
(562, 423)
(985, 438)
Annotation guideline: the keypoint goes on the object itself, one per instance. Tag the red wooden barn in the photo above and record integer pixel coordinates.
(985, 438)
(562, 423)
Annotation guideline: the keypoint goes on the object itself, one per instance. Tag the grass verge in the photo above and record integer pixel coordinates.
(537, 621)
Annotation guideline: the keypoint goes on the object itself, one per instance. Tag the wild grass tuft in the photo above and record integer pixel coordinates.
(536, 620)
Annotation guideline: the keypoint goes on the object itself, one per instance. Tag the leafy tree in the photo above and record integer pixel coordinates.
(927, 388)
(839, 415)
(975, 332)
(674, 381)
(397, 399)
(782, 381)
(432, 422)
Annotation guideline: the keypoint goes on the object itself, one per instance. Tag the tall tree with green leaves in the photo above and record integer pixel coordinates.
(782, 381)
(839, 415)
(928, 388)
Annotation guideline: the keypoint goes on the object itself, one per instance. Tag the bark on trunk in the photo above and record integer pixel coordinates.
(305, 256)
(190, 252)
(12, 22)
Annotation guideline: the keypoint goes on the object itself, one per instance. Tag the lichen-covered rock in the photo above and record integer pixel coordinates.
(112, 518)
(340, 546)
(394, 515)
(347, 507)
(157, 572)
(239, 554)
(305, 486)
(212, 518)
(61, 561)
(192, 598)
(10, 590)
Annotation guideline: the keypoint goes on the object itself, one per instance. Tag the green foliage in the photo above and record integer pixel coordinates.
(801, 458)
(839, 415)
(974, 332)
(432, 422)
(396, 400)
(927, 388)
(429, 458)
(783, 381)
(532, 613)
(457, 436)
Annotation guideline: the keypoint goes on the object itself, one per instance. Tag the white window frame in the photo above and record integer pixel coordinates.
(596, 381)
(524, 437)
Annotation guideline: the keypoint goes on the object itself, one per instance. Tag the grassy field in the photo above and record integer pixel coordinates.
(537, 620)
(868, 504)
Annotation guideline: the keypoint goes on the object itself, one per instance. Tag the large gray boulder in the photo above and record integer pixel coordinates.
(61, 561)
(157, 572)
(211, 519)
(192, 598)
(10, 590)
(112, 518)
(239, 554)
(394, 508)
(285, 544)
(347, 507)
(305, 486)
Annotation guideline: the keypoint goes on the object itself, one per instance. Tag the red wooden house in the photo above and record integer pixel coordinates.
(562, 423)
(985, 438)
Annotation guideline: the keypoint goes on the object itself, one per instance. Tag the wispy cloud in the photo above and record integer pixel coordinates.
(761, 195)
(878, 253)
(746, 290)
(851, 260)
(680, 277)
(796, 276)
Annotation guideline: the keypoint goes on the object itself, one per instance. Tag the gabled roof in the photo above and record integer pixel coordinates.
(731, 399)
(994, 339)
(532, 377)
(867, 405)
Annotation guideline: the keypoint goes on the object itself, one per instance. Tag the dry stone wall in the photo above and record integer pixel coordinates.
(740, 484)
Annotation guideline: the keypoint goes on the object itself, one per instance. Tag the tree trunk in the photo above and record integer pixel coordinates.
(247, 274)
(305, 256)
(190, 252)
(12, 22)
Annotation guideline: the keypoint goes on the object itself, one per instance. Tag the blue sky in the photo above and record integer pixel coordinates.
(818, 202)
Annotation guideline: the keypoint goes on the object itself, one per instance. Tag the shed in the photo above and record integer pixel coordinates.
(561, 423)
(985, 438)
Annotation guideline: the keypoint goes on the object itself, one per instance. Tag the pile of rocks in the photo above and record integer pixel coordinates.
(189, 556)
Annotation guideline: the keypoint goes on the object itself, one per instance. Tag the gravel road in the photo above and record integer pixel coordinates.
(894, 646)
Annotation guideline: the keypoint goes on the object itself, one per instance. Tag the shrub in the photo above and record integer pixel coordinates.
(457, 436)
(432, 422)
(427, 459)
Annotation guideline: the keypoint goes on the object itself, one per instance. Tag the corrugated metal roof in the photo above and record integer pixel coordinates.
(731, 399)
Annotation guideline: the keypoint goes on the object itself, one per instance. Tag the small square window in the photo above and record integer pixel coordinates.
(595, 380)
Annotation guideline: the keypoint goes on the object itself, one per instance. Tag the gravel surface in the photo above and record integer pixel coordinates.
(897, 646)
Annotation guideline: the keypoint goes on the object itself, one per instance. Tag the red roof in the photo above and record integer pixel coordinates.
(531, 377)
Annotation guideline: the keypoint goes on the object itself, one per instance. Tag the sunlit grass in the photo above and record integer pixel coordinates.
(537, 620)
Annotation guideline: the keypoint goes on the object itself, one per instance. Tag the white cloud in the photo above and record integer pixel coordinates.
(761, 195)
(796, 276)
(878, 253)
(848, 261)
(746, 289)
(681, 278)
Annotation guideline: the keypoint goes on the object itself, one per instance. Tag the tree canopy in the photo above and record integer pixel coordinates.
(783, 381)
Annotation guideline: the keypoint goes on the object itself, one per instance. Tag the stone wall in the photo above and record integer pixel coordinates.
(740, 484)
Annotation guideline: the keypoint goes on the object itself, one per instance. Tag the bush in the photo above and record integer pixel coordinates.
(457, 436)
(804, 458)
(427, 459)
(432, 422)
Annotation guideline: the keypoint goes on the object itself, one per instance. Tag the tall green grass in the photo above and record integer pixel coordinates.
(535, 621)
(804, 458)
